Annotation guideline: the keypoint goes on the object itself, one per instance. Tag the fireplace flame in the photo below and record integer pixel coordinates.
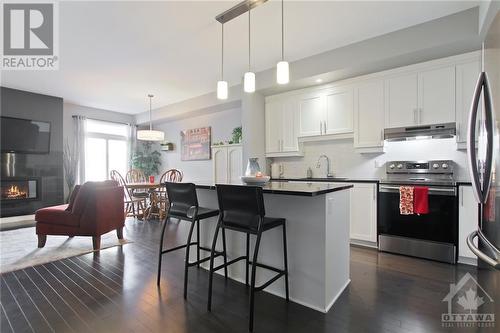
(14, 192)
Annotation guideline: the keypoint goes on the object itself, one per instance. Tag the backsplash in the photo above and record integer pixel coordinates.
(346, 162)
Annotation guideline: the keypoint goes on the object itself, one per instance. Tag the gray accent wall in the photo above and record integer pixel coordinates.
(48, 168)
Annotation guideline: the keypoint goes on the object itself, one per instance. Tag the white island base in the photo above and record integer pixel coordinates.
(318, 245)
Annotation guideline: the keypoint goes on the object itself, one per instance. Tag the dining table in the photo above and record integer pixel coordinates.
(154, 208)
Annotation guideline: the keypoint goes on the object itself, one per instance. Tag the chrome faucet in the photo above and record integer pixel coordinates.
(318, 165)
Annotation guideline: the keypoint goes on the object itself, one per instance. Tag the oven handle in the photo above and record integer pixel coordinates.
(432, 190)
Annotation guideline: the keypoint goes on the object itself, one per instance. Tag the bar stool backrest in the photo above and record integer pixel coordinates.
(241, 205)
(182, 197)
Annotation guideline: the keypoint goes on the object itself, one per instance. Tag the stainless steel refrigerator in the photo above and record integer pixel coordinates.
(484, 159)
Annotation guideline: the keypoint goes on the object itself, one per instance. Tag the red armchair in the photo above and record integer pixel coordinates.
(94, 209)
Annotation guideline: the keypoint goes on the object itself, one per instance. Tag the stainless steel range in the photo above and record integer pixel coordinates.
(433, 235)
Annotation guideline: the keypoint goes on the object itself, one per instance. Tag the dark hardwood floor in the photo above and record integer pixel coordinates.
(115, 290)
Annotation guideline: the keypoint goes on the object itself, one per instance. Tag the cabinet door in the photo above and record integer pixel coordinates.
(369, 114)
(401, 100)
(364, 221)
(311, 112)
(467, 75)
(290, 126)
(467, 220)
(234, 163)
(274, 116)
(338, 110)
(436, 94)
(219, 157)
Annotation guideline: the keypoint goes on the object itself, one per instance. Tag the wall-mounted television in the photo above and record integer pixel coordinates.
(24, 136)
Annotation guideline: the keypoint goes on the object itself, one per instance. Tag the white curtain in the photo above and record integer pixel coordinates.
(132, 143)
(80, 128)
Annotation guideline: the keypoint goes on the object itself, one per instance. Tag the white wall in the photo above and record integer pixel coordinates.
(222, 124)
(345, 162)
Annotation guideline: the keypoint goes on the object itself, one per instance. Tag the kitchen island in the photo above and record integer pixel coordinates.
(318, 240)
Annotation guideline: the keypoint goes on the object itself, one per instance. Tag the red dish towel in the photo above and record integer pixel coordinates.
(421, 200)
(406, 200)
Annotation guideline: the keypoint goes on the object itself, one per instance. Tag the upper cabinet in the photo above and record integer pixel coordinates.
(369, 114)
(281, 127)
(311, 113)
(421, 98)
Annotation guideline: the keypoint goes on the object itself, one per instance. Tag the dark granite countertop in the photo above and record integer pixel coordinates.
(310, 189)
(333, 180)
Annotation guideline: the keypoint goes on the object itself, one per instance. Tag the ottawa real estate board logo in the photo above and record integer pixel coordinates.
(469, 305)
(30, 39)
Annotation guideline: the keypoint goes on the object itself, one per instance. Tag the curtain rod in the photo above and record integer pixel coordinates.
(108, 121)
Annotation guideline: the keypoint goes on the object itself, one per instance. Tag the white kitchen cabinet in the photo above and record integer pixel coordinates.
(338, 110)
(363, 207)
(401, 100)
(311, 114)
(227, 163)
(369, 114)
(467, 74)
(282, 127)
(421, 98)
(436, 95)
(467, 223)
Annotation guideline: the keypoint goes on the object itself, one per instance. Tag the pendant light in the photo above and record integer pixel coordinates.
(222, 85)
(150, 134)
(282, 69)
(249, 77)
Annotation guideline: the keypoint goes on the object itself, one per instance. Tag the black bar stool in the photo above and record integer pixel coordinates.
(242, 209)
(184, 206)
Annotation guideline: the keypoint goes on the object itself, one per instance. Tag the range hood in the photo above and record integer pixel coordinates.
(437, 131)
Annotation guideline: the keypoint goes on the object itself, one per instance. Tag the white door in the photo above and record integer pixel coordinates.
(274, 116)
(311, 114)
(369, 114)
(467, 75)
(338, 110)
(436, 94)
(363, 206)
(467, 220)
(290, 126)
(219, 157)
(401, 100)
(234, 163)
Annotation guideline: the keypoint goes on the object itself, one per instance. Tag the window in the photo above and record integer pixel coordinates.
(106, 149)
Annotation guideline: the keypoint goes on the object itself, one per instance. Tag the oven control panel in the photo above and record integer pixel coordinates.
(435, 166)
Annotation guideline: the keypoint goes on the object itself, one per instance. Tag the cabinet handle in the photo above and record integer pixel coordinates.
(324, 127)
(461, 196)
(321, 127)
(381, 135)
(419, 115)
(281, 145)
(415, 116)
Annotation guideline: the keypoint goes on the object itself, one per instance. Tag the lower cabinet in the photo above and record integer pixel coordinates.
(364, 214)
(227, 163)
(467, 223)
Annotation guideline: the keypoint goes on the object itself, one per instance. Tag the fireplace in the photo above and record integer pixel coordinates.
(19, 189)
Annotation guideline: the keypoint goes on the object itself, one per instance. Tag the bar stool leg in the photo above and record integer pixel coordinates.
(252, 283)
(198, 242)
(160, 255)
(224, 250)
(211, 271)
(247, 261)
(186, 264)
(285, 259)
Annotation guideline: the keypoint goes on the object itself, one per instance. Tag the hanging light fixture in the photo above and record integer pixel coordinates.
(249, 77)
(222, 85)
(150, 134)
(282, 69)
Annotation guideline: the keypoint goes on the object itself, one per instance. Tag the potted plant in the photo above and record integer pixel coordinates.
(236, 135)
(147, 160)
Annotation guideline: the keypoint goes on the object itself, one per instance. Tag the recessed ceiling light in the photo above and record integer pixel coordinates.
(319, 80)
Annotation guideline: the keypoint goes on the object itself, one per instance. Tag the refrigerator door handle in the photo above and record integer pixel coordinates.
(470, 243)
(490, 128)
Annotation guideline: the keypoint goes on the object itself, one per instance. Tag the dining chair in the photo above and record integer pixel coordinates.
(134, 206)
(136, 176)
(171, 176)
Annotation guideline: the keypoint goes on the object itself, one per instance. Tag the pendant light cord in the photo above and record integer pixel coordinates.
(222, 63)
(150, 112)
(282, 34)
(249, 39)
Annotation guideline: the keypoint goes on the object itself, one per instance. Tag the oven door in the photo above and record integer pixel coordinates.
(435, 231)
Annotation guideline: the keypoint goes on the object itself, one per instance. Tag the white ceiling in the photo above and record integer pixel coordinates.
(112, 54)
